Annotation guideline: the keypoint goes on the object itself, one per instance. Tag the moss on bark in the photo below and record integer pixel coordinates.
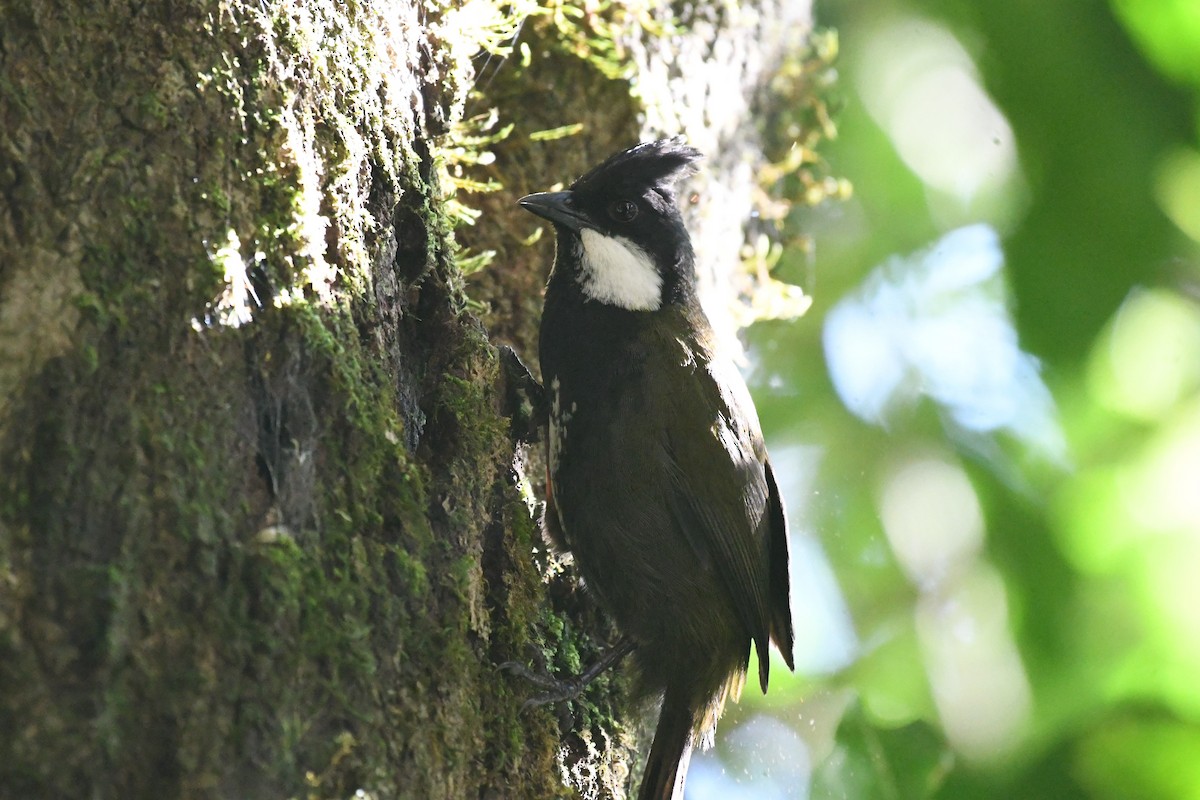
(259, 533)
(251, 455)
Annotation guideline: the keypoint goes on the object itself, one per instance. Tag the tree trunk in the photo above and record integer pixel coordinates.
(259, 532)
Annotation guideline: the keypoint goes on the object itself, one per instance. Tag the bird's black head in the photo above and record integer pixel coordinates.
(621, 239)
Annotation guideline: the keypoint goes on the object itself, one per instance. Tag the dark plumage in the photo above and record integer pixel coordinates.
(659, 482)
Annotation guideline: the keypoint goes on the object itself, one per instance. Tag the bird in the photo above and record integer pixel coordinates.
(658, 480)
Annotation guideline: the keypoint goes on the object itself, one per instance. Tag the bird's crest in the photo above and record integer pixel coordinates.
(654, 165)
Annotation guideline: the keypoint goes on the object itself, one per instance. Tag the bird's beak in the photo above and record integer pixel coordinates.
(558, 207)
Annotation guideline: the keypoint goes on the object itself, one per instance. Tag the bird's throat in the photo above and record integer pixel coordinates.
(617, 272)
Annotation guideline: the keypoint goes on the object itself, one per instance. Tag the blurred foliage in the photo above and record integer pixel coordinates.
(981, 614)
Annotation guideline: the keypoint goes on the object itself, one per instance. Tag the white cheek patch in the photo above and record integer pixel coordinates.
(619, 273)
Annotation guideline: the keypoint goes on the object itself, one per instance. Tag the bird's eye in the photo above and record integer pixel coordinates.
(623, 210)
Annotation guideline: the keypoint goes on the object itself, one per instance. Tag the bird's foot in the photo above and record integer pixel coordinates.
(556, 690)
(522, 398)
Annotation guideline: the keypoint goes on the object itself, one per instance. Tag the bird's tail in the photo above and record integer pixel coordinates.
(666, 769)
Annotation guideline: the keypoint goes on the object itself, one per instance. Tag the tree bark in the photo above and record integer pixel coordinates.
(259, 534)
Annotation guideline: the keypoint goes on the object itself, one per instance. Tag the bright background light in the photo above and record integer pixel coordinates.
(991, 417)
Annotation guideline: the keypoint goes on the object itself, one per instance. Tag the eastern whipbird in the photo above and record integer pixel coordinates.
(658, 479)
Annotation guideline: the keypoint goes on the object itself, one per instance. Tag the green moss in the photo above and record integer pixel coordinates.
(285, 549)
(410, 572)
(801, 105)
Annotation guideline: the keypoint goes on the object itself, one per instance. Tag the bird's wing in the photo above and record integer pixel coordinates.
(722, 497)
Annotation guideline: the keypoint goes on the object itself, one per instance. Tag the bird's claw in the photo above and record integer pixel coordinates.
(554, 689)
(522, 398)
